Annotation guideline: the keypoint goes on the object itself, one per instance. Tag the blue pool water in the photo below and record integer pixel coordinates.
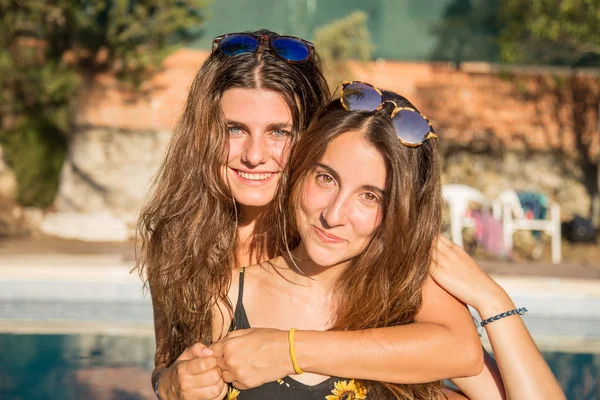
(98, 367)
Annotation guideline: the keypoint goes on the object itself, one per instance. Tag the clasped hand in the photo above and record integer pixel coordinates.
(195, 375)
(246, 358)
(251, 357)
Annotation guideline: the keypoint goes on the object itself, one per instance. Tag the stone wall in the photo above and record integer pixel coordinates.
(104, 181)
(109, 170)
(492, 172)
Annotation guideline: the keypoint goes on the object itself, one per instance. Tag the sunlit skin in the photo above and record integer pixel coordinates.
(341, 202)
(259, 123)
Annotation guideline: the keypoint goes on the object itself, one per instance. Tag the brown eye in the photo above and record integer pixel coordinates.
(370, 197)
(328, 179)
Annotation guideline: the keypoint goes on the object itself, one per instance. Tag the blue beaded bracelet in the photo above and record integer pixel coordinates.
(519, 311)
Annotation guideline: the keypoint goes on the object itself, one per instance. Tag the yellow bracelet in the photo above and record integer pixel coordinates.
(292, 352)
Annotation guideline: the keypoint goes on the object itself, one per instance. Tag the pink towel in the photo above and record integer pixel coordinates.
(488, 233)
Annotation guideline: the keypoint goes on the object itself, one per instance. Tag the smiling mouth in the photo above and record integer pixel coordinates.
(326, 237)
(254, 177)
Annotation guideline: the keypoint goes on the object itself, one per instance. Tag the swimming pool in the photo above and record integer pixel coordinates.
(81, 328)
(107, 367)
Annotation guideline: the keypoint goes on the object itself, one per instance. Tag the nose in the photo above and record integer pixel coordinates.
(255, 152)
(336, 212)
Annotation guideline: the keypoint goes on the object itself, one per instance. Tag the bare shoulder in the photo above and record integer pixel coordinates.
(256, 278)
(253, 276)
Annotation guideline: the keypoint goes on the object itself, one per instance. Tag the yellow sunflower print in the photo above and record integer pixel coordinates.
(345, 390)
(232, 394)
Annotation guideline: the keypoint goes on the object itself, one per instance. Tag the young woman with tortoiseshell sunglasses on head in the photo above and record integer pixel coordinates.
(356, 221)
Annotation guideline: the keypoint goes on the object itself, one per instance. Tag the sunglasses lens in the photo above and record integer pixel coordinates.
(360, 97)
(237, 44)
(411, 126)
(290, 49)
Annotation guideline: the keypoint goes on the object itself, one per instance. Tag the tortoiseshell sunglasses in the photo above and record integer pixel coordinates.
(412, 127)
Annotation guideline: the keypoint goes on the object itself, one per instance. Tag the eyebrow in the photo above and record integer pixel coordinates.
(279, 125)
(330, 170)
(271, 127)
(337, 178)
(238, 124)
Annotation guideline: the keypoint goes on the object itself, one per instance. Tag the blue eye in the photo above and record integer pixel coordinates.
(281, 133)
(233, 130)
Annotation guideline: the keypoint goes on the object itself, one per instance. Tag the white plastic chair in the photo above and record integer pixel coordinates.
(508, 208)
(458, 197)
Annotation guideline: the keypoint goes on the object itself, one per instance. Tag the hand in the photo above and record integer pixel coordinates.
(193, 376)
(455, 271)
(251, 357)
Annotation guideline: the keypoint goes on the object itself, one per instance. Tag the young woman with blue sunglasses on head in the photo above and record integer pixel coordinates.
(245, 106)
(208, 215)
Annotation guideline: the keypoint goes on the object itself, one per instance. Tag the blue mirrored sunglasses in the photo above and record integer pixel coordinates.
(290, 48)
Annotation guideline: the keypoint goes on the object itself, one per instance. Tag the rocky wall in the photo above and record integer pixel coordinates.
(491, 172)
(109, 170)
(104, 181)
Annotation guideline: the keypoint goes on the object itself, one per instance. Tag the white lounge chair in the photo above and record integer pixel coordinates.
(508, 208)
(459, 197)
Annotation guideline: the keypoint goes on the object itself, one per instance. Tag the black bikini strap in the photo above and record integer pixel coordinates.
(240, 290)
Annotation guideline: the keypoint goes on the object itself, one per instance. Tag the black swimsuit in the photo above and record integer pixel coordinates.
(288, 388)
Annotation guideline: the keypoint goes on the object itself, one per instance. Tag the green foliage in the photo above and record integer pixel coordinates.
(49, 49)
(36, 153)
(468, 31)
(551, 31)
(343, 40)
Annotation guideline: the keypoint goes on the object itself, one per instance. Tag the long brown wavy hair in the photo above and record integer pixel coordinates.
(382, 286)
(187, 230)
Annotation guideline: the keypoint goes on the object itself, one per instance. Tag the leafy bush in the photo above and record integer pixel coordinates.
(50, 49)
(343, 40)
(551, 32)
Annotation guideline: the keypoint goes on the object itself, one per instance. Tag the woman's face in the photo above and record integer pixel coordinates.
(341, 201)
(260, 124)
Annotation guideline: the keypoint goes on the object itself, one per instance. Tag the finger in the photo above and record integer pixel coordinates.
(217, 348)
(239, 385)
(197, 350)
(227, 376)
(223, 393)
(201, 365)
(444, 244)
(209, 378)
(436, 274)
(221, 363)
(445, 240)
(212, 391)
